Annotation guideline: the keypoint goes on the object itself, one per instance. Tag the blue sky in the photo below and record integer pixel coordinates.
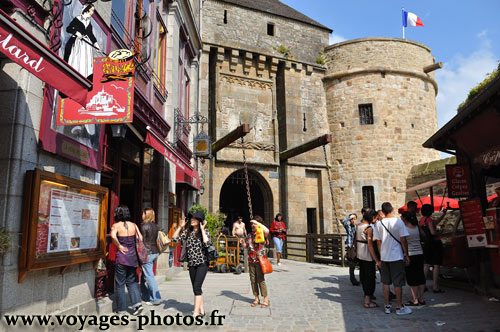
(464, 35)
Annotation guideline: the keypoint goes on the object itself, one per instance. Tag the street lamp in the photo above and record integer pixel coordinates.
(118, 131)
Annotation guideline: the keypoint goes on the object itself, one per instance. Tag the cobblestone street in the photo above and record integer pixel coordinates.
(312, 297)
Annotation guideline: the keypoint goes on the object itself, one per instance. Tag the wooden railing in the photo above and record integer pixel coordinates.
(316, 248)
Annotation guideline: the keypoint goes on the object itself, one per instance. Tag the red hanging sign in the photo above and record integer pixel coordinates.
(458, 181)
(111, 99)
(28, 52)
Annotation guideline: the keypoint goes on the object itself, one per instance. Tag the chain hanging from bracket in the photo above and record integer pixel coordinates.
(245, 167)
(330, 184)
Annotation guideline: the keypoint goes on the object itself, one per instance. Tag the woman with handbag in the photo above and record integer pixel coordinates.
(149, 288)
(255, 242)
(433, 247)
(125, 235)
(195, 240)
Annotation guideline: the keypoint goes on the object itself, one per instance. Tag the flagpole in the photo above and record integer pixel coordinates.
(403, 13)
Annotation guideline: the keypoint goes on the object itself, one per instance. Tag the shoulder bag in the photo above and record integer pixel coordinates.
(265, 264)
(162, 241)
(211, 253)
(142, 253)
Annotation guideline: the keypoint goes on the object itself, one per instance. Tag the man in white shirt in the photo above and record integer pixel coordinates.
(391, 234)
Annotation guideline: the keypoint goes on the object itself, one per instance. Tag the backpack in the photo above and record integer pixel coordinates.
(162, 241)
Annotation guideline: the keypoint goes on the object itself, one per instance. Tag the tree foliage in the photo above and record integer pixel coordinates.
(478, 88)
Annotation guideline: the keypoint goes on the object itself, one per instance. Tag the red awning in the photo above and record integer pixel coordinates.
(184, 172)
(24, 49)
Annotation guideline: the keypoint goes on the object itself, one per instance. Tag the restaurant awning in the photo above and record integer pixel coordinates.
(425, 185)
(185, 174)
(27, 51)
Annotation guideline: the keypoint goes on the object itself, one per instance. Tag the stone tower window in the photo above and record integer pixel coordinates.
(365, 114)
(225, 16)
(368, 197)
(270, 29)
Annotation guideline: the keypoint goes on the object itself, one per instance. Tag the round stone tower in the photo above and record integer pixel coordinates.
(381, 107)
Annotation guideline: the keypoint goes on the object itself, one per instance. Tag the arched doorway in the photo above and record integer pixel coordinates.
(234, 201)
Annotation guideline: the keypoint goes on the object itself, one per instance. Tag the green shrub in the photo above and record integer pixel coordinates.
(214, 221)
(478, 88)
(320, 60)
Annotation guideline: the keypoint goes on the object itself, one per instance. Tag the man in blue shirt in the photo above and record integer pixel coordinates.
(350, 228)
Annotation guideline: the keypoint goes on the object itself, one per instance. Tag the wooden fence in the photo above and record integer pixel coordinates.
(316, 248)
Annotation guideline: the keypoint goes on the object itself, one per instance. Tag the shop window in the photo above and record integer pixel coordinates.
(368, 197)
(365, 114)
(270, 29)
(161, 56)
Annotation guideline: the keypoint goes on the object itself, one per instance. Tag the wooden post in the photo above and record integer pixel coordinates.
(231, 137)
(312, 144)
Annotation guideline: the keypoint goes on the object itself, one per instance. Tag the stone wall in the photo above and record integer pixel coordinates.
(247, 29)
(378, 71)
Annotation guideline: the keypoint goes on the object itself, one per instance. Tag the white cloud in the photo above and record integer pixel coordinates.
(461, 74)
(336, 38)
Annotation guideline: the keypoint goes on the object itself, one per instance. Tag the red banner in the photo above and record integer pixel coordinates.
(28, 52)
(458, 181)
(111, 99)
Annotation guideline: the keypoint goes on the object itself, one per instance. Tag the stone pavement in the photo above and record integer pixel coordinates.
(313, 297)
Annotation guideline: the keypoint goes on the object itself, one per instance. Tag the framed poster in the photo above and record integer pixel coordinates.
(64, 222)
(78, 46)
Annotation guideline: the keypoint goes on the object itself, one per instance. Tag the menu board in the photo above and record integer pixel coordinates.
(64, 222)
(73, 221)
(472, 215)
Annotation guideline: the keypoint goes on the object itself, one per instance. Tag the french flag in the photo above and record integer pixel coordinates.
(411, 20)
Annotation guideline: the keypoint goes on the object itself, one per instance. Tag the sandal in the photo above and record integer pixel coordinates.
(412, 304)
(265, 305)
(370, 305)
(255, 303)
(421, 302)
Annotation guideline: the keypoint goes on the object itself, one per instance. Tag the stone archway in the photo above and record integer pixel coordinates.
(234, 202)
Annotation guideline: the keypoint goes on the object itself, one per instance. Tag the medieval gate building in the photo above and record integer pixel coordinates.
(373, 95)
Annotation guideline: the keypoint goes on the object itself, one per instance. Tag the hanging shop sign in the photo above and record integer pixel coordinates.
(458, 181)
(488, 159)
(472, 216)
(112, 97)
(64, 222)
(27, 51)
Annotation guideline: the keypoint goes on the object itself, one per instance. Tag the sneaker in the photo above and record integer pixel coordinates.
(279, 264)
(123, 313)
(404, 310)
(138, 310)
(148, 303)
(387, 309)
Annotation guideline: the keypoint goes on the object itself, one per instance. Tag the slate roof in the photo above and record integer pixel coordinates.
(278, 8)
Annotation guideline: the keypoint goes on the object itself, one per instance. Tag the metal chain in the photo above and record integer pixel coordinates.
(331, 188)
(245, 167)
